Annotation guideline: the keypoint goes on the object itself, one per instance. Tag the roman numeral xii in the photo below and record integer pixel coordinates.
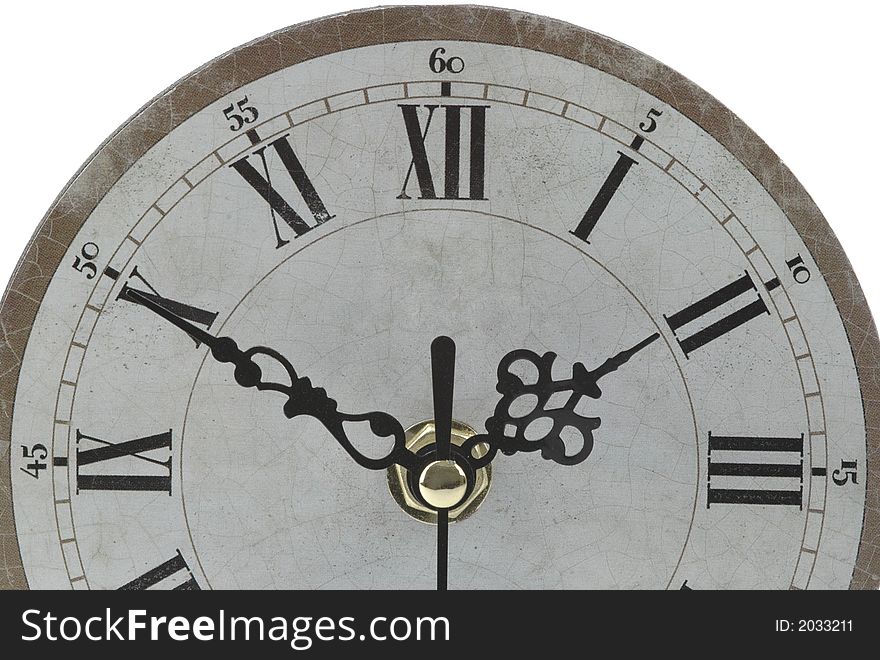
(420, 145)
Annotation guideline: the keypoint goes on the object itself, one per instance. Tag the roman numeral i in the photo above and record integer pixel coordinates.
(476, 153)
(606, 192)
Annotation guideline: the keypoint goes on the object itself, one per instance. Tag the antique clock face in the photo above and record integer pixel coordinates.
(437, 296)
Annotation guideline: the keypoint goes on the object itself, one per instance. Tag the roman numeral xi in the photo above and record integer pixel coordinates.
(452, 151)
(260, 179)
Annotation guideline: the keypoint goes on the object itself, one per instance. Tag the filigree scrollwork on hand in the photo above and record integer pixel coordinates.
(541, 428)
(543, 425)
(302, 397)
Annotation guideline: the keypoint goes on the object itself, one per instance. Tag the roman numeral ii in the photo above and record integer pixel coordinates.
(710, 303)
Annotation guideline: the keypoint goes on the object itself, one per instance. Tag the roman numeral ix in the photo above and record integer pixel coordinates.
(735, 470)
(476, 153)
(93, 463)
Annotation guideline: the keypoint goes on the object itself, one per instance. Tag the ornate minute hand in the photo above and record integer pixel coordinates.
(507, 433)
(302, 397)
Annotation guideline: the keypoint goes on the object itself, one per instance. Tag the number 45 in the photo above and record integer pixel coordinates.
(247, 114)
(38, 453)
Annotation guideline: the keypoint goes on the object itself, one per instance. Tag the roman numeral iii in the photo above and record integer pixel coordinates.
(689, 315)
(173, 574)
(418, 140)
(142, 464)
(727, 467)
(260, 179)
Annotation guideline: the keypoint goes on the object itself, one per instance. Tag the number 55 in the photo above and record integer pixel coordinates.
(247, 114)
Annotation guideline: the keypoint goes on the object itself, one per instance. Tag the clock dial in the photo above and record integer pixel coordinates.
(563, 310)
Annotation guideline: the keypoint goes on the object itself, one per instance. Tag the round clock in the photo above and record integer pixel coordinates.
(437, 296)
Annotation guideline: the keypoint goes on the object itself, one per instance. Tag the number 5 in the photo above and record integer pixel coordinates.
(651, 125)
(248, 109)
(38, 452)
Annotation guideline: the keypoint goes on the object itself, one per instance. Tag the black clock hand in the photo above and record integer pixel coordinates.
(615, 362)
(443, 379)
(506, 433)
(302, 397)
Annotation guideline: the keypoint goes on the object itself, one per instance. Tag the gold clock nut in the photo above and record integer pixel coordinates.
(443, 484)
(409, 491)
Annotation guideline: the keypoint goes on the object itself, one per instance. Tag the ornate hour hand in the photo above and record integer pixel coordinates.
(509, 433)
(302, 397)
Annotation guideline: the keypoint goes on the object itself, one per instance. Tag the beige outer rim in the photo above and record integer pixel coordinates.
(466, 23)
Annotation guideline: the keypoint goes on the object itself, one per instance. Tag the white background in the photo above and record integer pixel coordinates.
(802, 74)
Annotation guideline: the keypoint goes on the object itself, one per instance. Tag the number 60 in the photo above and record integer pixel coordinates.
(439, 65)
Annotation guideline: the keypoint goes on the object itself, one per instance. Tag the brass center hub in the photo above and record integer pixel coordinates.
(447, 485)
(443, 484)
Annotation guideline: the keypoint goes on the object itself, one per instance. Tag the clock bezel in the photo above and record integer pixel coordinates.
(355, 29)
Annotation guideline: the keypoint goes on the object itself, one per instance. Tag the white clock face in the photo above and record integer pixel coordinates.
(347, 211)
